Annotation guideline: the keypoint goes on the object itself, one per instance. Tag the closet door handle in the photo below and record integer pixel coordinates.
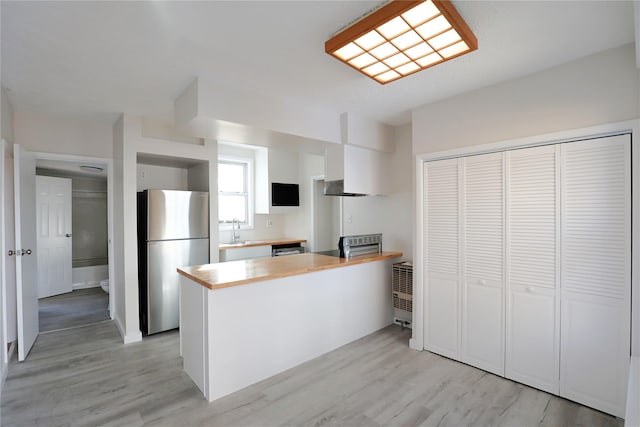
(68, 235)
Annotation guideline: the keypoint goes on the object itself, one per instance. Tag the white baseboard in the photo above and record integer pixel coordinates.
(632, 413)
(415, 345)
(127, 338)
(5, 366)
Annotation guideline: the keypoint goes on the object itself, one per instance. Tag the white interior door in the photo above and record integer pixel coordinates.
(54, 235)
(596, 272)
(26, 259)
(483, 266)
(9, 269)
(442, 257)
(533, 305)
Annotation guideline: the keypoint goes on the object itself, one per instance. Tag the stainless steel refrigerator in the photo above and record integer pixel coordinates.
(173, 231)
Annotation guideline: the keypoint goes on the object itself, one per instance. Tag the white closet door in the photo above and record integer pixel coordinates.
(533, 317)
(483, 266)
(596, 272)
(442, 255)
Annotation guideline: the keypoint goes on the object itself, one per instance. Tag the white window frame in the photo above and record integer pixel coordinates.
(248, 162)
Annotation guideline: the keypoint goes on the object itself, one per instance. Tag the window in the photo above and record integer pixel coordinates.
(234, 191)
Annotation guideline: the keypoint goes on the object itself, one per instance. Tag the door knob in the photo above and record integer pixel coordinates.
(25, 252)
(12, 252)
(68, 235)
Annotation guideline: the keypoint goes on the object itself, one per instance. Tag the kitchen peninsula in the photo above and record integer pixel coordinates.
(244, 321)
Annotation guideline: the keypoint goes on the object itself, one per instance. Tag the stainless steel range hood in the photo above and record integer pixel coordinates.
(336, 188)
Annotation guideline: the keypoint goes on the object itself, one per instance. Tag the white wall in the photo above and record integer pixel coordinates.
(7, 116)
(128, 143)
(117, 284)
(161, 178)
(391, 215)
(52, 133)
(298, 222)
(598, 89)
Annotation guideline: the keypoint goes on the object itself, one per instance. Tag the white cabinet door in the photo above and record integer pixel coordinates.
(533, 318)
(245, 253)
(442, 257)
(483, 266)
(596, 272)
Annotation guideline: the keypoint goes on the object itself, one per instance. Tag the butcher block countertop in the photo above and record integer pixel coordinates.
(235, 273)
(270, 242)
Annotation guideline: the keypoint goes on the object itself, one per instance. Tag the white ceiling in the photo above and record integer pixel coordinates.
(102, 58)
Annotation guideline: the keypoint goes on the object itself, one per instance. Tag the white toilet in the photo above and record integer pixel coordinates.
(104, 284)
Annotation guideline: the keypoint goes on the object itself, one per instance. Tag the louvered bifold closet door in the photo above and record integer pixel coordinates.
(442, 257)
(533, 317)
(483, 265)
(596, 272)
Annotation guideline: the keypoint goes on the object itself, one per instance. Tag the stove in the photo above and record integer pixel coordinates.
(353, 246)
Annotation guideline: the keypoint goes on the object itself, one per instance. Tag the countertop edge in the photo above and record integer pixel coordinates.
(345, 263)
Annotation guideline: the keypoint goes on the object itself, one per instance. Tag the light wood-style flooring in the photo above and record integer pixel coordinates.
(77, 308)
(85, 376)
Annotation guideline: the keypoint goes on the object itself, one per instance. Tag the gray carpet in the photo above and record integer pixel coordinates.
(77, 308)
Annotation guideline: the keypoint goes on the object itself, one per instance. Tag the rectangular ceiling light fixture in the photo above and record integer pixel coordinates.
(403, 37)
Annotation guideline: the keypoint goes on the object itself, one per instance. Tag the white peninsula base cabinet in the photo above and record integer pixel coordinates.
(235, 335)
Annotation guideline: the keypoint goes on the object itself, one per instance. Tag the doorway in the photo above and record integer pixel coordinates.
(326, 212)
(82, 296)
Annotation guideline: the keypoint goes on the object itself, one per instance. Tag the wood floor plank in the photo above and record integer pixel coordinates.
(77, 308)
(86, 377)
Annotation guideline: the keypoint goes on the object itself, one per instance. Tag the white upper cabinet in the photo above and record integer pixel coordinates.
(533, 339)
(596, 272)
(483, 265)
(442, 259)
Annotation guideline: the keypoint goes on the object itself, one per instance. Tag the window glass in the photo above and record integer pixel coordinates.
(231, 177)
(233, 191)
(230, 207)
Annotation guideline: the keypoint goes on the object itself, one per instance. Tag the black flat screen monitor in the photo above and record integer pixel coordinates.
(285, 194)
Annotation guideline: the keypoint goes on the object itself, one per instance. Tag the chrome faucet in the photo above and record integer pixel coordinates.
(236, 232)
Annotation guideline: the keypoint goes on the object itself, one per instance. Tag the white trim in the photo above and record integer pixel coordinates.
(4, 359)
(417, 340)
(127, 339)
(251, 211)
(5, 368)
(110, 206)
(636, 10)
(609, 129)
